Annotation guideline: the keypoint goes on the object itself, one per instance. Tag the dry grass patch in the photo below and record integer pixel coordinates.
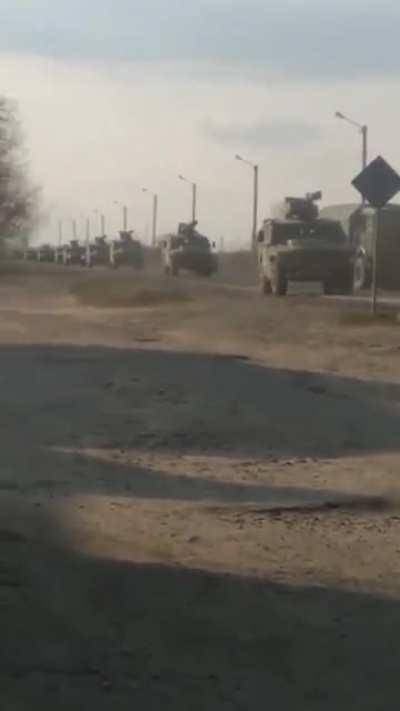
(125, 293)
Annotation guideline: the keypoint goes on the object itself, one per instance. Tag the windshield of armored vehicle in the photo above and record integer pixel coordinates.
(198, 241)
(320, 229)
(331, 231)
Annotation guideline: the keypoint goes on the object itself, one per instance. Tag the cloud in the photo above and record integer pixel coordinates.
(263, 134)
(290, 38)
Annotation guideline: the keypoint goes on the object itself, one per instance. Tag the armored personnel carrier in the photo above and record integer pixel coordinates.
(75, 254)
(299, 245)
(360, 226)
(100, 252)
(128, 251)
(188, 250)
(45, 253)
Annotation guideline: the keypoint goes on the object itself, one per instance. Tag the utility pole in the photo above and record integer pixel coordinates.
(255, 200)
(375, 262)
(194, 204)
(194, 196)
(364, 135)
(255, 208)
(364, 131)
(125, 218)
(87, 246)
(155, 217)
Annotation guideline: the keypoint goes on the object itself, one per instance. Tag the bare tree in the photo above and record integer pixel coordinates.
(19, 198)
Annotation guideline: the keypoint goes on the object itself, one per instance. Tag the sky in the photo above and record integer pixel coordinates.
(117, 95)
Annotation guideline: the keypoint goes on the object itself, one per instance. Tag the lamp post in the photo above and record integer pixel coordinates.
(102, 222)
(60, 232)
(255, 198)
(363, 129)
(155, 216)
(194, 195)
(124, 215)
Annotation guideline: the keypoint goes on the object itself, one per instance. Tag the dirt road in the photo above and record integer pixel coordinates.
(199, 498)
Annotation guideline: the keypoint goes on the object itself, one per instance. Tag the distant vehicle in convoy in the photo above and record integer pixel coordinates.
(100, 252)
(128, 251)
(45, 253)
(359, 224)
(299, 245)
(188, 250)
(75, 254)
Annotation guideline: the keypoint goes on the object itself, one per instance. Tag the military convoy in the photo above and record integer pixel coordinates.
(299, 245)
(334, 245)
(188, 250)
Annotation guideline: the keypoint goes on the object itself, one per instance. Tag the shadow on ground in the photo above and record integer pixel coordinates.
(59, 402)
(58, 396)
(80, 632)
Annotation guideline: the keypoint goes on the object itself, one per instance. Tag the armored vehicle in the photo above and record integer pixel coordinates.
(128, 251)
(360, 225)
(75, 254)
(45, 253)
(100, 252)
(188, 250)
(301, 246)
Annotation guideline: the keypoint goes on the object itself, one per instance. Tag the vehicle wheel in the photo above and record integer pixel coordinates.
(279, 282)
(174, 270)
(265, 286)
(361, 278)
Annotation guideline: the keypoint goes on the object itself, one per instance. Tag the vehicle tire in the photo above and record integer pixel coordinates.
(265, 286)
(174, 270)
(279, 282)
(361, 277)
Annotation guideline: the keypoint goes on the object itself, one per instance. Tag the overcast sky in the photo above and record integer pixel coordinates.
(120, 94)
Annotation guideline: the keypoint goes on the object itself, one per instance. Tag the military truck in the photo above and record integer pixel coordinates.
(299, 245)
(188, 250)
(128, 251)
(359, 223)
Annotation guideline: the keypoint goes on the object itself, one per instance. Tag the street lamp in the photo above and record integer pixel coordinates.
(155, 215)
(194, 195)
(364, 133)
(60, 232)
(102, 222)
(255, 198)
(124, 215)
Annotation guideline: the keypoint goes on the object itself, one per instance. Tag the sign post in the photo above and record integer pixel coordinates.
(375, 262)
(377, 183)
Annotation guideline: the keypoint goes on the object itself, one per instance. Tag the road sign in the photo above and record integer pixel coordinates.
(377, 183)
